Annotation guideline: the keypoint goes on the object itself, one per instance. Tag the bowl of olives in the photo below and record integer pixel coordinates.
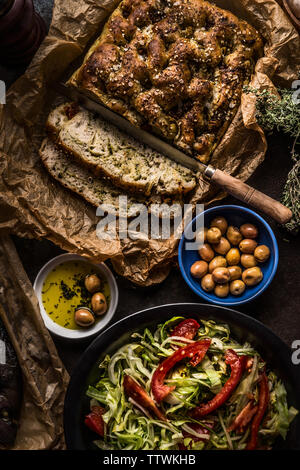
(233, 257)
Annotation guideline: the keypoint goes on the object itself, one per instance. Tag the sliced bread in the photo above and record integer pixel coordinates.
(97, 191)
(105, 150)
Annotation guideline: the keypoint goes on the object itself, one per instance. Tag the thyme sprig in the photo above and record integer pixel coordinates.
(282, 113)
(291, 195)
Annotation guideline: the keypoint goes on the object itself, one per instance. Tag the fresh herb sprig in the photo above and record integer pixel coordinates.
(291, 195)
(282, 113)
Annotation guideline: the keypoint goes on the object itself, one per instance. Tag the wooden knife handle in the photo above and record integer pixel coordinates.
(251, 196)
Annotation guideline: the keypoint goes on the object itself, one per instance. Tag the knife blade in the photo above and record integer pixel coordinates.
(231, 185)
(125, 126)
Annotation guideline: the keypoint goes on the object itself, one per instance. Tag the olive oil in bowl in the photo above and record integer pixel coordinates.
(63, 291)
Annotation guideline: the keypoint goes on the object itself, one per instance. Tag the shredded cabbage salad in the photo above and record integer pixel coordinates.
(129, 426)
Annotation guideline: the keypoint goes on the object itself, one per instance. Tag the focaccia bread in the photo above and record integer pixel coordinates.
(175, 67)
(97, 191)
(107, 152)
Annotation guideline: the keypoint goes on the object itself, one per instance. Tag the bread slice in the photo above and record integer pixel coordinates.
(98, 192)
(105, 150)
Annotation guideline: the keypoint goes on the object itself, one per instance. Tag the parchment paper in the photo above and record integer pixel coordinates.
(33, 205)
(44, 376)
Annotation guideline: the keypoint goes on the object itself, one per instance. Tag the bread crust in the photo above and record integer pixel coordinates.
(58, 125)
(94, 190)
(178, 66)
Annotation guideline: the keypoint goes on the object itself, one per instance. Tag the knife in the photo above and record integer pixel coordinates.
(231, 185)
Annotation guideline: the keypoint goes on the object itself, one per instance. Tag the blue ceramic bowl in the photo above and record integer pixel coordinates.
(236, 216)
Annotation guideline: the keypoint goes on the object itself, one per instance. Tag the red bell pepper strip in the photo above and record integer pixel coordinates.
(94, 420)
(263, 401)
(198, 349)
(135, 391)
(247, 362)
(243, 418)
(186, 329)
(237, 367)
(199, 429)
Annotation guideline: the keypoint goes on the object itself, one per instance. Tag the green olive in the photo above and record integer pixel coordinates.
(206, 252)
(248, 261)
(247, 246)
(249, 231)
(207, 283)
(237, 287)
(221, 275)
(217, 262)
(92, 283)
(233, 235)
(222, 247)
(199, 269)
(99, 304)
(213, 235)
(235, 272)
(221, 223)
(84, 317)
(173, 129)
(262, 253)
(233, 257)
(252, 276)
(222, 290)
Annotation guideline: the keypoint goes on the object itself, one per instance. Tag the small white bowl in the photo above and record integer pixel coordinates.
(101, 323)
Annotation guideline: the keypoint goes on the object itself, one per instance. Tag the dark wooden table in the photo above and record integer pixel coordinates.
(277, 307)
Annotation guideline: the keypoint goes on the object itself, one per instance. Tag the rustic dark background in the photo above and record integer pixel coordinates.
(277, 307)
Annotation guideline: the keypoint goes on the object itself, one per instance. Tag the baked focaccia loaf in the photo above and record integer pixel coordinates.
(107, 152)
(176, 67)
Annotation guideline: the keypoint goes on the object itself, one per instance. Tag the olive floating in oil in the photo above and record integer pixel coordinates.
(84, 317)
(99, 305)
(92, 283)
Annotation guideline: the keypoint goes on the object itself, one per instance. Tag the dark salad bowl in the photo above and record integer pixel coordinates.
(243, 328)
